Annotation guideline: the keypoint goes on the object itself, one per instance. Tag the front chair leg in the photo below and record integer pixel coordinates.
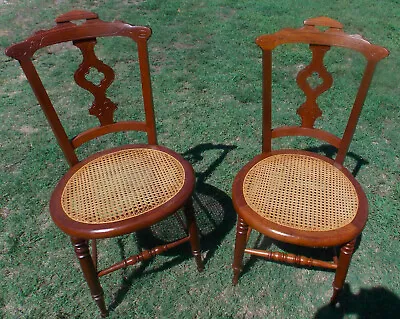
(89, 272)
(193, 233)
(240, 245)
(343, 266)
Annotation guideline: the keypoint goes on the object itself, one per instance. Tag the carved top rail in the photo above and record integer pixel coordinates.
(66, 30)
(332, 36)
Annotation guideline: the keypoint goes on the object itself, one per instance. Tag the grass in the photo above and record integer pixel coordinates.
(207, 90)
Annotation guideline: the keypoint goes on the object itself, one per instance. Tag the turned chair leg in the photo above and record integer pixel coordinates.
(240, 245)
(94, 253)
(343, 266)
(89, 271)
(193, 233)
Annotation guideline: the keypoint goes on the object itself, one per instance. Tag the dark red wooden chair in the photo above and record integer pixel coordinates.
(300, 197)
(120, 190)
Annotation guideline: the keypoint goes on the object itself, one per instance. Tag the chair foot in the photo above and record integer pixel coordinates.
(334, 298)
(236, 274)
(89, 271)
(346, 253)
(101, 304)
(193, 234)
(240, 245)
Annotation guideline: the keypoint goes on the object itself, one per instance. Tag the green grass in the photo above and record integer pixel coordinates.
(206, 76)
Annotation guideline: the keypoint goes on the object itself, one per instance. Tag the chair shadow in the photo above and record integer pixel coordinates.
(214, 209)
(265, 243)
(330, 152)
(377, 302)
(214, 214)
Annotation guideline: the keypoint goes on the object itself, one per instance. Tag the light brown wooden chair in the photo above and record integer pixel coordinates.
(300, 197)
(116, 191)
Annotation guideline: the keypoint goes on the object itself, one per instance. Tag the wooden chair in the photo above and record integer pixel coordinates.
(120, 190)
(295, 196)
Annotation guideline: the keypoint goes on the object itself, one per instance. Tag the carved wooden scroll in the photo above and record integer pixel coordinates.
(309, 111)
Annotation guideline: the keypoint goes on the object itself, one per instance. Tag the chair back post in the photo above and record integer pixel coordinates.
(267, 101)
(147, 90)
(355, 112)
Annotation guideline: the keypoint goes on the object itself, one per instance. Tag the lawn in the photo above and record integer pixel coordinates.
(206, 73)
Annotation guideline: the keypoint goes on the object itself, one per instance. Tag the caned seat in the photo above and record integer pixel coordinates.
(300, 197)
(300, 191)
(119, 190)
(116, 190)
(120, 185)
(295, 196)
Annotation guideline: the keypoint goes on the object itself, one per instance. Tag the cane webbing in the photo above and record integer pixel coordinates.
(121, 185)
(300, 192)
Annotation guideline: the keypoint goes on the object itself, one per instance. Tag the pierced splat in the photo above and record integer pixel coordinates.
(314, 80)
(94, 76)
(102, 107)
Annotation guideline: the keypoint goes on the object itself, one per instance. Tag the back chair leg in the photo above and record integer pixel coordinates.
(193, 233)
(89, 271)
(343, 266)
(240, 245)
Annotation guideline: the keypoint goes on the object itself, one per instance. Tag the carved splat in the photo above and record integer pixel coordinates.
(309, 111)
(102, 107)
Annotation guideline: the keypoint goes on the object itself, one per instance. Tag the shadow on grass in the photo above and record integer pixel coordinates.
(215, 218)
(214, 210)
(377, 302)
(330, 152)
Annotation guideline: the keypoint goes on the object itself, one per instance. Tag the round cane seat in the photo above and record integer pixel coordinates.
(300, 192)
(121, 185)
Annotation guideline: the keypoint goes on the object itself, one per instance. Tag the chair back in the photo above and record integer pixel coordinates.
(320, 42)
(83, 36)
